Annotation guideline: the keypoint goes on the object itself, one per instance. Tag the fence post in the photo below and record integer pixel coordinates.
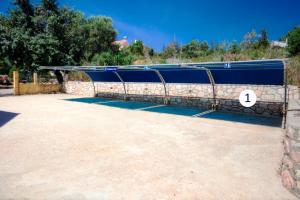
(35, 78)
(16, 83)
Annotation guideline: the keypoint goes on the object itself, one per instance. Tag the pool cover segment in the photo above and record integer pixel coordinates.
(184, 111)
(269, 72)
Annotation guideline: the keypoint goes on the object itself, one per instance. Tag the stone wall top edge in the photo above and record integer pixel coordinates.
(277, 86)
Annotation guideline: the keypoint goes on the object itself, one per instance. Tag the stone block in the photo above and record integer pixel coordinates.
(274, 107)
(286, 145)
(268, 97)
(263, 105)
(229, 103)
(294, 155)
(288, 163)
(235, 103)
(287, 179)
(292, 132)
(248, 110)
(295, 145)
(259, 110)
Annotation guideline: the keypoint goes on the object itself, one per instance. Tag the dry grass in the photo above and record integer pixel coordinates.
(78, 76)
(294, 71)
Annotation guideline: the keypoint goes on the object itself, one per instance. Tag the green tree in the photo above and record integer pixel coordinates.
(5, 66)
(151, 52)
(123, 57)
(50, 5)
(263, 41)
(235, 48)
(293, 38)
(101, 34)
(103, 59)
(191, 50)
(110, 58)
(16, 35)
(137, 48)
(195, 49)
(47, 34)
(171, 50)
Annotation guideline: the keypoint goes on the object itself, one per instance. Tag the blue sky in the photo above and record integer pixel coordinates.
(156, 21)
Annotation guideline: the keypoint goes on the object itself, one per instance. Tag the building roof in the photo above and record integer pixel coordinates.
(279, 44)
(122, 43)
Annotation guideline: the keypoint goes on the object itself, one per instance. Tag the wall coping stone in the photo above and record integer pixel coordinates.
(290, 169)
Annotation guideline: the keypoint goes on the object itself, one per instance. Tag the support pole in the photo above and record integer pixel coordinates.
(124, 84)
(162, 80)
(92, 83)
(212, 82)
(35, 78)
(16, 83)
(285, 93)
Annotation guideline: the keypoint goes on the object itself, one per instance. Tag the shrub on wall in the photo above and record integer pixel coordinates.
(78, 76)
(294, 71)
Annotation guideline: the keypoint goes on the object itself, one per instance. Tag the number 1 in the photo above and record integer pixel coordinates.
(247, 98)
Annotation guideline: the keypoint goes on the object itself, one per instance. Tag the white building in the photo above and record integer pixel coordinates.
(279, 44)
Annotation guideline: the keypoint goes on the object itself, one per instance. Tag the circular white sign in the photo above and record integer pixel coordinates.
(247, 98)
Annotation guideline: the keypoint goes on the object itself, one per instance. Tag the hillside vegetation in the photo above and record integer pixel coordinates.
(47, 34)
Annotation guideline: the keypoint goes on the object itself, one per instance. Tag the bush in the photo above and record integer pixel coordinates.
(110, 58)
(78, 76)
(293, 72)
(11, 70)
(103, 59)
(293, 38)
(137, 48)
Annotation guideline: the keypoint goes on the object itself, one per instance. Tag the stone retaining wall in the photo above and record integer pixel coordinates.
(269, 98)
(79, 88)
(264, 93)
(290, 171)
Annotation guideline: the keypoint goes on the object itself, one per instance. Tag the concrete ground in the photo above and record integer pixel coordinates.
(56, 149)
(5, 91)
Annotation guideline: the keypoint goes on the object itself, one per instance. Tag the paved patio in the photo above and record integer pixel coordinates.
(5, 91)
(57, 149)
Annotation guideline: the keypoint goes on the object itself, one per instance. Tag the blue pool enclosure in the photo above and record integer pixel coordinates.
(262, 72)
(255, 72)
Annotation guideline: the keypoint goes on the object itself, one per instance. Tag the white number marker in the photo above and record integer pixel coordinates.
(247, 98)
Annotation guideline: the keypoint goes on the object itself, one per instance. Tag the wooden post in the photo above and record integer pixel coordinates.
(35, 78)
(16, 83)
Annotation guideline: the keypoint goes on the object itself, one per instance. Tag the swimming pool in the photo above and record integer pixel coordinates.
(185, 111)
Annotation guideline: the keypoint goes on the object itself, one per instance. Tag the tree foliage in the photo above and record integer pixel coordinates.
(263, 41)
(46, 34)
(109, 58)
(171, 50)
(100, 35)
(235, 48)
(293, 38)
(137, 48)
(195, 49)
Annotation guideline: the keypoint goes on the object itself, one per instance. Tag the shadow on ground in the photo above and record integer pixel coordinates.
(6, 117)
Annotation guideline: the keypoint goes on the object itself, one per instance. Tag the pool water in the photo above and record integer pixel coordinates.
(245, 118)
(185, 111)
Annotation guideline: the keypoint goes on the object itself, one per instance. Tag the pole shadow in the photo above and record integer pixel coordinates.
(6, 117)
